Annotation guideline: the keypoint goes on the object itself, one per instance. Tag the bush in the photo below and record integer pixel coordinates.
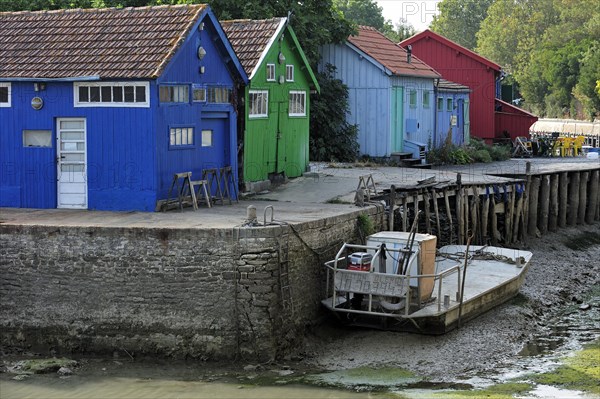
(476, 151)
(332, 138)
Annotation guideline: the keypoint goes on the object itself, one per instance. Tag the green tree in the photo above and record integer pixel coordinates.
(332, 138)
(368, 13)
(459, 20)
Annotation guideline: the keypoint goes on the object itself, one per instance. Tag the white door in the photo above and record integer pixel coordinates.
(71, 155)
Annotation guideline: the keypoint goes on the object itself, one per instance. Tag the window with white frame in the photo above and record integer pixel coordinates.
(174, 94)
(111, 94)
(297, 103)
(198, 93)
(258, 101)
(270, 72)
(5, 94)
(289, 73)
(207, 138)
(181, 136)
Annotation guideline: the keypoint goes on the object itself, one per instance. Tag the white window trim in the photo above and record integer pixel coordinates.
(304, 106)
(7, 104)
(212, 133)
(182, 146)
(77, 103)
(274, 78)
(266, 114)
(293, 73)
(199, 87)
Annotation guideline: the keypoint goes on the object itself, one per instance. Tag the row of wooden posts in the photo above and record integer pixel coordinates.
(504, 213)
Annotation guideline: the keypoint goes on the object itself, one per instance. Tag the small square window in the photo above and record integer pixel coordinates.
(37, 138)
(199, 93)
(440, 104)
(171, 94)
(449, 104)
(297, 103)
(425, 98)
(258, 101)
(270, 72)
(207, 138)
(412, 99)
(289, 73)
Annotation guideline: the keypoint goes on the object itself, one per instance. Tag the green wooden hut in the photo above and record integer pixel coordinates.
(276, 101)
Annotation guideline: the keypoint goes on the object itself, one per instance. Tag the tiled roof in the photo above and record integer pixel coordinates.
(251, 38)
(447, 85)
(109, 43)
(390, 55)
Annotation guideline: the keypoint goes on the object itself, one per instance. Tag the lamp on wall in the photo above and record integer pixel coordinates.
(39, 86)
(281, 58)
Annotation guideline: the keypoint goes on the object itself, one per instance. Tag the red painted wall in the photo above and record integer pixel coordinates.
(460, 68)
(513, 120)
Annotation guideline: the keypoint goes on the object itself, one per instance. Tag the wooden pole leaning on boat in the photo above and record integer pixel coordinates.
(409, 244)
(464, 277)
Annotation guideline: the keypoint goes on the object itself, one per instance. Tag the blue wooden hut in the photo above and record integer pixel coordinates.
(391, 93)
(101, 107)
(452, 113)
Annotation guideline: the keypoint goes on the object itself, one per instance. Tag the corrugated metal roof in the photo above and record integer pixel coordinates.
(390, 55)
(251, 38)
(110, 43)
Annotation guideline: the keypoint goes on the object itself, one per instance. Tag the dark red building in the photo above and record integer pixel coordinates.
(459, 64)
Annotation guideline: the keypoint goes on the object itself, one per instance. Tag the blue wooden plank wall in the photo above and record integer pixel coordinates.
(185, 69)
(444, 117)
(369, 97)
(419, 119)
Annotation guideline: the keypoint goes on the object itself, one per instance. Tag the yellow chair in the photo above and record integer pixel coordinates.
(557, 147)
(578, 145)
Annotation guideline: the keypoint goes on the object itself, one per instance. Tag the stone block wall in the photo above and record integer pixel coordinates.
(201, 293)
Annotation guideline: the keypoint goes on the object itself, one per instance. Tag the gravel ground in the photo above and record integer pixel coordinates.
(556, 276)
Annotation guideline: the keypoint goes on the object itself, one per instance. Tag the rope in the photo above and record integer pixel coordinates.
(479, 254)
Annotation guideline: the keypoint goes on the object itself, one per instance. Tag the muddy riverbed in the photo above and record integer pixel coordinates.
(564, 266)
(528, 335)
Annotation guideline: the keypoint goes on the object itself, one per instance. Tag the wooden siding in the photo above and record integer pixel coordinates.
(372, 105)
(265, 150)
(460, 68)
(185, 69)
(444, 115)
(369, 97)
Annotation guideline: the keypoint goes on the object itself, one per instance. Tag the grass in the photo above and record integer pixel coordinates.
(337, 200)
(507, 390)
(580, 372)
(39, 366)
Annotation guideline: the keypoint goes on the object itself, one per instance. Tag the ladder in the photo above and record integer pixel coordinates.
(287, 300)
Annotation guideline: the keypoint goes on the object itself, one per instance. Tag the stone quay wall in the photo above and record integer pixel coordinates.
(188, 293)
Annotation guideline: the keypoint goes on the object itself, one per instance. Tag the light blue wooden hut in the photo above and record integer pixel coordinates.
(452, 113)
(391, 93)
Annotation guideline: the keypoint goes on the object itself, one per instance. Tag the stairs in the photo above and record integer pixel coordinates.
(405, 160)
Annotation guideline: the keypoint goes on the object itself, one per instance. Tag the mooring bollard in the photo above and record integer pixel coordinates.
(251, 214)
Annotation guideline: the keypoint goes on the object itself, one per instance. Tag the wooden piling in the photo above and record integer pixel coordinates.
(519, 219)
(459, 210)
(573, 207)
(474, 217)
(494, 231)
(449, 215)
(526, 199)
(392, 207)
(544, 204)
(583, 183)
(437, 212)
(485, 209)
(416, 208)
(511, 216)
(533, 206)
(405, 213)
(553, 211)
(563, 199)
(427, 211)
(593, 196)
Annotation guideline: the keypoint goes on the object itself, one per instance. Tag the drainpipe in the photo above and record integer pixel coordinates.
(434, 107)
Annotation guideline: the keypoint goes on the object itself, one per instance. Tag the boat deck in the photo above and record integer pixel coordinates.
(483, 277)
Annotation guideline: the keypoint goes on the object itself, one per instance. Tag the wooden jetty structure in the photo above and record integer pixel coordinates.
(498, 207)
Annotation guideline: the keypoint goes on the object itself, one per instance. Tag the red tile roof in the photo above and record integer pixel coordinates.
(390, 55)
(447, 85)
(109, 43)
(428, 34)
(250, 38)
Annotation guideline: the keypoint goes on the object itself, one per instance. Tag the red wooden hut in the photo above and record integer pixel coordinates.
(459, 64)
